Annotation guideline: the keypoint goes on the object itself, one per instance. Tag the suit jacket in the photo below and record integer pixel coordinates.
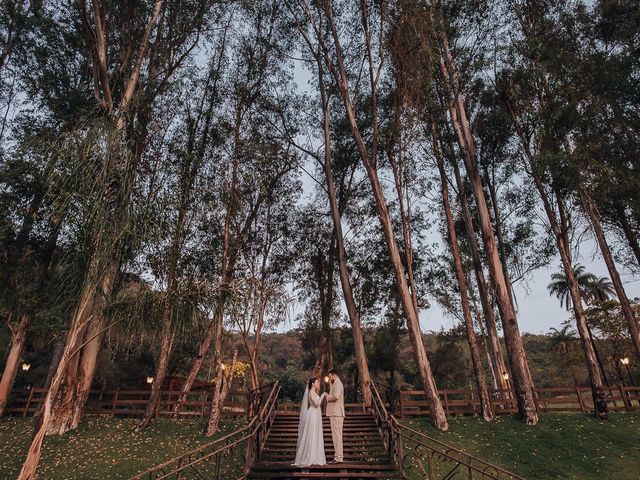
(335, 400)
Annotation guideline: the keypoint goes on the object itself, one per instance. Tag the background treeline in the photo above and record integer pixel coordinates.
(166, 179)
(555, 360)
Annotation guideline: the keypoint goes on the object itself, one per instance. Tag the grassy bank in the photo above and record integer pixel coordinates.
(561, 446)
(101, 448)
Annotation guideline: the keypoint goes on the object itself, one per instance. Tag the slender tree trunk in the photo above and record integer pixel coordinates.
(413, 324)
(224, 380)
(321, 364)
(405, 212)
(499, 233)
(523, 385)
(596, 223)
(166, 341)
(255, 375)
(492, 367)
(476, 360)
(483, 288)
(597, 389)
(203, 349)
(19, 331)
(18, 341)
(338, 70)
(560, 226)
(364, 376)
(215, 328)
(324, 271)
(629, 234)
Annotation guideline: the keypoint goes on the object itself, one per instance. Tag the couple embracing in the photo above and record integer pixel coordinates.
(310, 450)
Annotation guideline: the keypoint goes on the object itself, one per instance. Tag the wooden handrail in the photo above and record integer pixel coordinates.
(228, 457)
(416, 455)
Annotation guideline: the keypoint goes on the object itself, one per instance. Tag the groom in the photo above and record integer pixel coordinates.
(335, 412)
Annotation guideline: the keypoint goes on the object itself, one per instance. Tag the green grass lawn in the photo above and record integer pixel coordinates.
(102, 448)
(567, 446)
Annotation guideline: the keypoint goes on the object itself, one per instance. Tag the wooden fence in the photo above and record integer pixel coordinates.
(130, 403)
(123, 403)
(554, 399)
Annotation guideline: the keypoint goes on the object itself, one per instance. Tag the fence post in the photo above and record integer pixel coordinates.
(115, 402)
(625, 398)
(446, 403)
(26, 408)
(158, 404)
(582, 409)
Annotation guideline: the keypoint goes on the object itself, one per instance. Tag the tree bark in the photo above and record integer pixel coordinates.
(523, 385)
(594, 216)
(213, 332)
(228, 259)
(18, 341)
(476, 360)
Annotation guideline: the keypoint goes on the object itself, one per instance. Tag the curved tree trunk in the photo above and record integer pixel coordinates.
(338, 70)
(523, 385)
(497, 220)
(476, 360)
(364, 376)
(560, 227)
(224, 380)
(73, 345)
(483, 288)
(86, 332)
(166, 341)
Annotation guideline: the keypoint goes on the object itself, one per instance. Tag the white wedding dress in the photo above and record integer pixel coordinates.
(310, 449)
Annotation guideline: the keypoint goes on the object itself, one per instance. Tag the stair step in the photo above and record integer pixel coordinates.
(346, 445)
(364, 451)
(330, 471)
(324, 475)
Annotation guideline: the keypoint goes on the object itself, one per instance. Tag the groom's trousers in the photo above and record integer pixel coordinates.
(336, 435)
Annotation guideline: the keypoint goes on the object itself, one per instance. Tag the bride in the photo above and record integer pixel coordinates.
(310, 450)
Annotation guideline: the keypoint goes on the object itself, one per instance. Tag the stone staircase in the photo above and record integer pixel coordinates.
(364, 451)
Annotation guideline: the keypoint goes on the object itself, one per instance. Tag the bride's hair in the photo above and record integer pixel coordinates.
(311, 382)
